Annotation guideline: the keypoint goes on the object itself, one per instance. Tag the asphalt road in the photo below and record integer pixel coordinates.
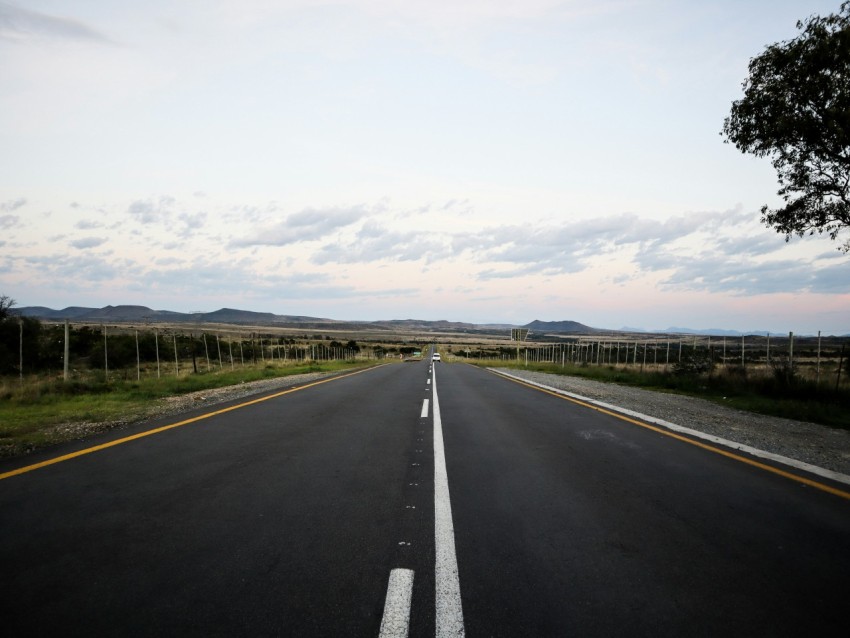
(286, 517)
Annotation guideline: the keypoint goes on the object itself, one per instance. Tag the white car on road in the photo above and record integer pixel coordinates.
(435, 357)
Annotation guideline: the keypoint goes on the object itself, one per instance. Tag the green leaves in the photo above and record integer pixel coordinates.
(796, 110)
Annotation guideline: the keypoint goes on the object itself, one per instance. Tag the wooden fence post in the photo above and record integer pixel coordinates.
(67, 351)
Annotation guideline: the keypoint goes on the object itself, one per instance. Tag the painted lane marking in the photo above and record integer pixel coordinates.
(449, 613)
(428, 382)
(141, 435)
(424, 413)
(396, 620)
(665, 428)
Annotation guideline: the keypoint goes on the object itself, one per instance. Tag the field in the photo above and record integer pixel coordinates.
(119, 372)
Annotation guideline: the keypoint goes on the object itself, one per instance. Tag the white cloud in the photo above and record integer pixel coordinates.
(13, 204)
(88, 242)
(307, 225)
(150, 211)
(9, 221)
(19, 24)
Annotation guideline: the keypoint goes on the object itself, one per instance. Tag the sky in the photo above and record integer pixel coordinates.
(486, 161)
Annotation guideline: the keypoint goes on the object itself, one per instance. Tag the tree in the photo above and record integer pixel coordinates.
(6, 304)
(796, 110)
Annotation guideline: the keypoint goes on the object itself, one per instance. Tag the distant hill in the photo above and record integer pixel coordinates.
(72, 312)
(712, 332)
(143, 314)
(570, 327)
(418, 324)
(129, 313)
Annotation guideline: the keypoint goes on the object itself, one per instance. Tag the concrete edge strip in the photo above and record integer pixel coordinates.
(777, 458)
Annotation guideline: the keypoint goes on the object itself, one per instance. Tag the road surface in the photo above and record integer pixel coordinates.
(351, 505)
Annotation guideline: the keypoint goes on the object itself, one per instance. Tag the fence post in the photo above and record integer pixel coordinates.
(791, 352)
(176, 360)
(105, 357)
(206, 350)
(817, 374)
(138, 358)
(218, 344)
(21, 349)
(67, 351)
(156, 342)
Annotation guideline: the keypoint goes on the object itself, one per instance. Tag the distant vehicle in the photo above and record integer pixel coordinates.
(435, 357)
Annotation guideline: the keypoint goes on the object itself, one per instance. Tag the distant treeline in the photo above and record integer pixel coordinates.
(28, 346)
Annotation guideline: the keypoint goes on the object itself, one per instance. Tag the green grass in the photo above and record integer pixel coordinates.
(30, 415)
(764, 394)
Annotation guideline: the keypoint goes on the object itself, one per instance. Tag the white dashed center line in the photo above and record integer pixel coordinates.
(396, 620)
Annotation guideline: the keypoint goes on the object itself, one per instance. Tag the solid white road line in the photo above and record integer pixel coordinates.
(424, 413)
(396, 618)
(449, 613)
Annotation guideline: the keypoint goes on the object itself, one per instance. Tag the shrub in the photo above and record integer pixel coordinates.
(694, 363)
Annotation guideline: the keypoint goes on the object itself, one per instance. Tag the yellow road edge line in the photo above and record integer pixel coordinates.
(743, 459)
(97, 448)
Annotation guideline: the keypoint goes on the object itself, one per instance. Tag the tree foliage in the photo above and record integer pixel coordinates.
(796, 110)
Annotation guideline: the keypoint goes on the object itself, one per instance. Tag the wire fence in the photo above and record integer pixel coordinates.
(127, 352)
(817, 358)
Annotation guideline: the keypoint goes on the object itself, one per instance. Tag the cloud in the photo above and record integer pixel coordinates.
(150, 211)
(203, 277)
(9, 221)
(12, 204)
(374, 243)
(82, 269)
(192, 223)
(307, 225)
(487, 275)
(87, 224)
(742, 274)
(18, 24)
(88, 242)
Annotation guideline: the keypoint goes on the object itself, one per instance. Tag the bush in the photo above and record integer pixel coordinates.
(694, 363)
(783, 371)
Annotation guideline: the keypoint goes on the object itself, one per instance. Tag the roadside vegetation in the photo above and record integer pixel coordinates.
(45, 410)
(123, 374)
(776, 390)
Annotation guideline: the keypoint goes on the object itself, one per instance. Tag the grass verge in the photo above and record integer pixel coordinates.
(792, 398)
(46, 412)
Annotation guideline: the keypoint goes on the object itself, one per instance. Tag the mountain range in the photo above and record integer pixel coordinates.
(143, 314)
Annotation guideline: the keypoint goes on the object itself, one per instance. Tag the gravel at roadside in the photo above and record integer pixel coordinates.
(176, 405)
(170, 406)
(811, 443)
